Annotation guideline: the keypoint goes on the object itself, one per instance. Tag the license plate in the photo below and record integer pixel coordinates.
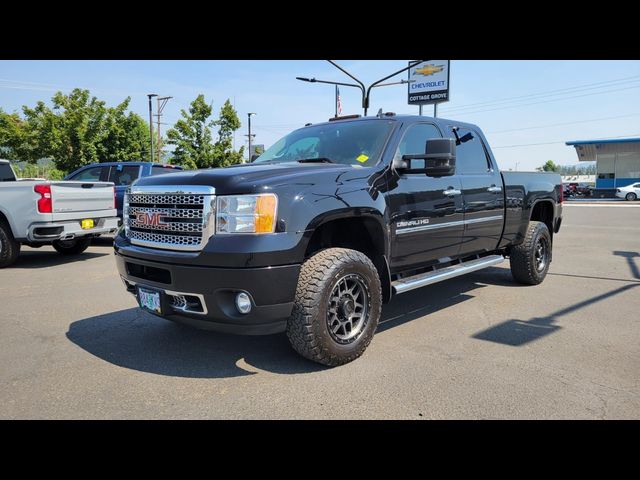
(149, 300)
(87, 223)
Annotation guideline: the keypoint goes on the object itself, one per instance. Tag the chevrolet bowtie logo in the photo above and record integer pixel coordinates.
(429, 69)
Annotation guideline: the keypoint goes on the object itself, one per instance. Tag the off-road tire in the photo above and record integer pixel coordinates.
(9, 248)
(524, 265)
(631, 197)
(308, 328)
(72, 247)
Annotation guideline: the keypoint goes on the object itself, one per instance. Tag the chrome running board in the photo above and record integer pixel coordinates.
(429, 278)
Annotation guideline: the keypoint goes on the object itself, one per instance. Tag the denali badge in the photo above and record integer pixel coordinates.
(149, 219)
(413, 223)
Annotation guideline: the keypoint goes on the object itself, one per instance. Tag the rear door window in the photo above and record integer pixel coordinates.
(471, 157)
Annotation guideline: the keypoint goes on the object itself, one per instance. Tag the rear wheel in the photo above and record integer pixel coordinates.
(531, 259)
(72, 247)
(9, 248)
(632, 197)
(337, 307)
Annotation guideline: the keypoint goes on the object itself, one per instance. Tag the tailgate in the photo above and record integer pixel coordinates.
(81, 197)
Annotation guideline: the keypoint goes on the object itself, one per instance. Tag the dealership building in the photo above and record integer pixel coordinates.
(617, 160)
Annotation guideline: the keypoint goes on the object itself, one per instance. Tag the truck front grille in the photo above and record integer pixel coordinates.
(172, 217)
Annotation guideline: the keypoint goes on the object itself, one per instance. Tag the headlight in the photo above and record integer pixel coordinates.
(246, 213)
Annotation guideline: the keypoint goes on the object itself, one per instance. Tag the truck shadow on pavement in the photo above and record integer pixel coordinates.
(48, 258)
(140, 341)
(518, 332)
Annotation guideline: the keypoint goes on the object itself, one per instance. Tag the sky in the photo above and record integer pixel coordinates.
(527, 109)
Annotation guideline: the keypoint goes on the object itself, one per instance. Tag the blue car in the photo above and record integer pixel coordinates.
(120, 173)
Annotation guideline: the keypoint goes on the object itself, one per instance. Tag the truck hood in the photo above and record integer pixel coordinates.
(251, 178)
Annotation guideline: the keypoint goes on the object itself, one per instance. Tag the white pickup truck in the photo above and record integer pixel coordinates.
(59, 213)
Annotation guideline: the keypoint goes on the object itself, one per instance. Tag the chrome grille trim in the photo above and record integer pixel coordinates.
(184, 216)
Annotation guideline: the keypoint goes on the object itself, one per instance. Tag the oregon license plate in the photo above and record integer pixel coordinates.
(149, 300)
(87, 223)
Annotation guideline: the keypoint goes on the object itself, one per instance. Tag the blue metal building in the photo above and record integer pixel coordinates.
(617, 160)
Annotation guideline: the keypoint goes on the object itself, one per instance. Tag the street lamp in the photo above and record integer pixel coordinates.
(249, 117)
(151, 95)
(366, 92)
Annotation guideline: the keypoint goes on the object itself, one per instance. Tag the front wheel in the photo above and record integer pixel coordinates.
(631, 197)
(337, 307)
(72, 247)
(531, 259)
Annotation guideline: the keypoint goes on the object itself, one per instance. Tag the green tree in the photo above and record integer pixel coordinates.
(80, 129)
(70, 133)
(228, 122)
(17, 139)
(550, 166)
(191, 136)
(126, 137)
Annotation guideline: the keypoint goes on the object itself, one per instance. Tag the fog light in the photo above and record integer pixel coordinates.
(243, 302)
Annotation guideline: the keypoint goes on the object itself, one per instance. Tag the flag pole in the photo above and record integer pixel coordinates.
(335, 103)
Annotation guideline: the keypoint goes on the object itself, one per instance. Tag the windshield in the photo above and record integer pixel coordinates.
(351, 143)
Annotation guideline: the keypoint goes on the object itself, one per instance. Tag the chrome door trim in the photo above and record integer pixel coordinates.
(423, 228)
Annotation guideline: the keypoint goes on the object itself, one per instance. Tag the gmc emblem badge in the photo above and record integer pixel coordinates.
(149, 219)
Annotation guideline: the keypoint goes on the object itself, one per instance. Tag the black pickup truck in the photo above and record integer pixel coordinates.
(327, 225)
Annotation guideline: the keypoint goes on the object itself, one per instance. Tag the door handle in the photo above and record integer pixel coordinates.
(451, 191)
(494, 189)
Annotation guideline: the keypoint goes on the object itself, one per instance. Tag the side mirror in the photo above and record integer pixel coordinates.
(439, 159)
(254, 156)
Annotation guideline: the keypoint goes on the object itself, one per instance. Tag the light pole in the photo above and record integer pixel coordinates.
(517, 163)
(315, 80)
(162, 101)
(366, 92)
(151, 95)
(249, 117)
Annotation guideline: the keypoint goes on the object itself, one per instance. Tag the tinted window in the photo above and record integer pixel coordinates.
(470, 155)
(158, 170)
(123, 175)
(350, 143)
(414, 142)
(6, 175)
(90, 174)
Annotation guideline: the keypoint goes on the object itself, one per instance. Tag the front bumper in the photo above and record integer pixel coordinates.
(67, 230)
(210, 293)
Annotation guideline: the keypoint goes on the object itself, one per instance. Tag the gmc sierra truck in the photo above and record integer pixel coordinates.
(66, 215)
(328, 224)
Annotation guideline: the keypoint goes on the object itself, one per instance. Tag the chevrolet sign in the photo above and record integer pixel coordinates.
(428, 82)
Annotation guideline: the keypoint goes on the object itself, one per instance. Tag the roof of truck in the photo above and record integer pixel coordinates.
(394, 117)
(133, 163)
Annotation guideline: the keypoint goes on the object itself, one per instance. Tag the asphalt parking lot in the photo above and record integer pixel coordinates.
(73, 344)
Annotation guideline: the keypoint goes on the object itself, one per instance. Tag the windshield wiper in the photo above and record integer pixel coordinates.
(316, 160)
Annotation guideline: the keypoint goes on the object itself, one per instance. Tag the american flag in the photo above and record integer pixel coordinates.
(338, 102)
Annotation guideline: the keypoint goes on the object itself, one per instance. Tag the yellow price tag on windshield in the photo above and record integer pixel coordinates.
(362, 158)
